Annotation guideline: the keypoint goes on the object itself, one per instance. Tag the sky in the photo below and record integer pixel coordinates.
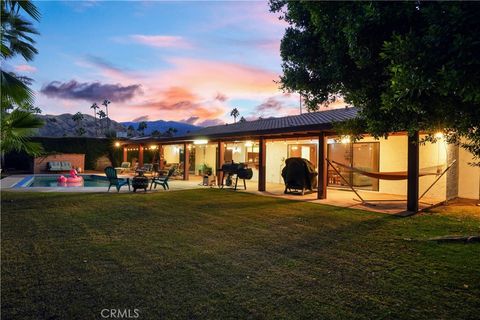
(190, 61)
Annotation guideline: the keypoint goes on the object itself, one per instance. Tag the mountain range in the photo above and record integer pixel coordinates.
(162, 126)
(63, 125)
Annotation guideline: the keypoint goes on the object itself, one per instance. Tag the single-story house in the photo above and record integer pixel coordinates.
(264, 145)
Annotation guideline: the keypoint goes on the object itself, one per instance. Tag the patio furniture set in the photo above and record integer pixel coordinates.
(140, 180)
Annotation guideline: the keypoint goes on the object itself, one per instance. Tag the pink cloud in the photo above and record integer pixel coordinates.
(160, 41)
(187, 88)
(25, 68)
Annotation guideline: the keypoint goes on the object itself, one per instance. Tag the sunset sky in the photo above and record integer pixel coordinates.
(187, 61)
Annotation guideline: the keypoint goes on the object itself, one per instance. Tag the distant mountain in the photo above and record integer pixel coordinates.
(64, 126)
(162, 126)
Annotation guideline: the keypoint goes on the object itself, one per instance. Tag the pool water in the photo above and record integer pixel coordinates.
(51, 181)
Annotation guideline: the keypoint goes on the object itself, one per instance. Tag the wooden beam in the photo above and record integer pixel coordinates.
(186, 161)
(220, 161)
(161, 157)
(125, 154)
(322, 166)
(262, 153)
(140, 156)
(413, 173)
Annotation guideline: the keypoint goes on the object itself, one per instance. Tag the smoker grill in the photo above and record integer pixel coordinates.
(235, 171)
(299, 175)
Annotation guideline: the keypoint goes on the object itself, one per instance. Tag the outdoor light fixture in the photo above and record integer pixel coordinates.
(345, 139)
(117, 144)
(200, 141)
(439, 135)
(248, 144)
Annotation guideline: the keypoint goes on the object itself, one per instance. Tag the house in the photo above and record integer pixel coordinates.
(265, 144)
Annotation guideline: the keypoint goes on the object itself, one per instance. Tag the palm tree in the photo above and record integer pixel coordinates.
(17, 121)
(234, 113)
(130, 131)
(95, 106)
(17, 126)
(141, 127)
(105, 103)
(78, 117)
(102, 116)
(170, 132)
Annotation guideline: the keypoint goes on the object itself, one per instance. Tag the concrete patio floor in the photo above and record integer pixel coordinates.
(391, 204)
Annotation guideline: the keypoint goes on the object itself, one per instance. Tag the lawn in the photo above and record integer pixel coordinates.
(215, 254)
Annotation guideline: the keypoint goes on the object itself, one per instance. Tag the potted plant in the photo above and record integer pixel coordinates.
(206, 170)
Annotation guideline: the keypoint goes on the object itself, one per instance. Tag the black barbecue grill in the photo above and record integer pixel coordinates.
(235, 171)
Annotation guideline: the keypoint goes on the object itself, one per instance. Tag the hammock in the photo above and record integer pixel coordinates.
(399, 175)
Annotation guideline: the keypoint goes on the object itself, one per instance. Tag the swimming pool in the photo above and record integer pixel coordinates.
(51, 181)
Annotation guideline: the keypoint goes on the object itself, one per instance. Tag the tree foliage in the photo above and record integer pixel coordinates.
(17, 119)
(411, 66)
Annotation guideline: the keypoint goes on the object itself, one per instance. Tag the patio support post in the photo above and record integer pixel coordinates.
(160, 157)
(220, 161)
(125, 155)
(186, 160)
(140, 156)
(413, 173)
(262, 149)
(322, 166)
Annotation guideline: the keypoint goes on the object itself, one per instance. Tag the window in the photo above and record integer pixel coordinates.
(364, 156)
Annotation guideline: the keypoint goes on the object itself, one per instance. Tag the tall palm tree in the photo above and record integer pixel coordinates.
(17, 122)
(234, 113)
(102, 115)
(78, 117)
(105, 103)
(95, 107)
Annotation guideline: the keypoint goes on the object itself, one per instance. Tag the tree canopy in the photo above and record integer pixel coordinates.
(16, 109)
(411, 66)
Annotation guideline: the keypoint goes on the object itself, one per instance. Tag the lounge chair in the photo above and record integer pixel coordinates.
(111, 174)
(163, 181)
(125, 166)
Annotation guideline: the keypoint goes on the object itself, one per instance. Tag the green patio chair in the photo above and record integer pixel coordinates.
(163, 181)
(111, 174)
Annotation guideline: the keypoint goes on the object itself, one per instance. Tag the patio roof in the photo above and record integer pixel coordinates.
(321, 120)
(307, 122)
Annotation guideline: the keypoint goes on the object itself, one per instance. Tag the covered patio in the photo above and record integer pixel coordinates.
(347, 170)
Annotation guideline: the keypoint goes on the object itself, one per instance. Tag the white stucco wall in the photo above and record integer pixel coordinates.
(393, 157)
(171, 153)
(205, 154)
(468, 176)
(277, 152)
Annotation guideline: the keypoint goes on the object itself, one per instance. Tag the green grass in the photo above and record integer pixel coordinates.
(217, 254)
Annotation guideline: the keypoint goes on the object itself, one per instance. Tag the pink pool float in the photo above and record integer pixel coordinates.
(72, 181)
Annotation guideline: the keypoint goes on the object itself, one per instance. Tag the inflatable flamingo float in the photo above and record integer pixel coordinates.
(72, 181)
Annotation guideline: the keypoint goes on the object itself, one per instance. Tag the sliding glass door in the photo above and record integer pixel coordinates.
(364, 156)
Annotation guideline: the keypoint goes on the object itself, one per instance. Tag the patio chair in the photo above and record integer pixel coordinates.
(111, 174)
(125, 166)
(163, 181)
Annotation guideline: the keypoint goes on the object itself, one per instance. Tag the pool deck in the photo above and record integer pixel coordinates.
(389, 203)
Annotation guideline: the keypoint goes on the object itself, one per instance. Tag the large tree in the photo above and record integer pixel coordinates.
(411, 66)
(17, 118)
